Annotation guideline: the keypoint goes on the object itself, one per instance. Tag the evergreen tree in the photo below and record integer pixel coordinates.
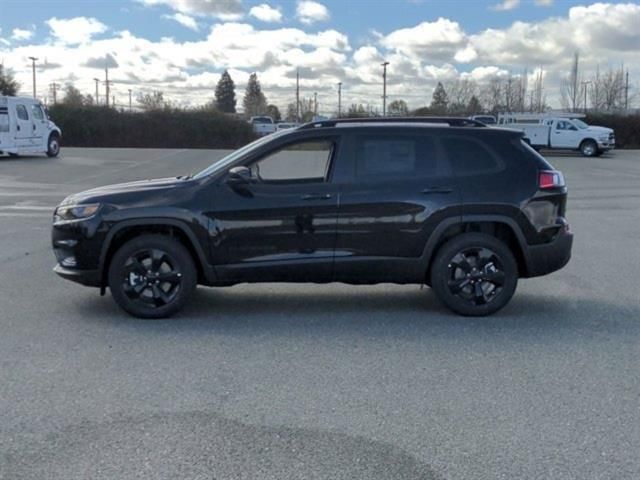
(398, 108)
(274, 112)
(226, 94)
(8, 84)
(73, 97)
(474, 106)
(254, 101)
(439, 100)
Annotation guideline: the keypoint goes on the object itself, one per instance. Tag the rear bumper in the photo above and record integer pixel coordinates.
(547, 258)
(90, 278)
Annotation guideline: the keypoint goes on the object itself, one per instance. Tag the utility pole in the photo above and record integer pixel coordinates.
(384, 88)
(129, 99)
(106, 83)
(626, 93)
(33, 70)
(339, 99)
(297, 96)
(54, 90)
(315, 104)
(584, 87)
(97, 80)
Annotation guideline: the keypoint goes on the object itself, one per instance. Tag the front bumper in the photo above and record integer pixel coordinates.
(90, 278)
(547, 258)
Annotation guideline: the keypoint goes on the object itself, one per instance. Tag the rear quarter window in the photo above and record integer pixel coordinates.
(472, 156)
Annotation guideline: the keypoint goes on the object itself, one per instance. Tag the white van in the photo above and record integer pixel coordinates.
(26, 129)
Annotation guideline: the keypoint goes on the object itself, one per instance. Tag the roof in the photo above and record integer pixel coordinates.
(395, 121)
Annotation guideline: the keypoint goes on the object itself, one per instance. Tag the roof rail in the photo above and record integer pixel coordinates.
(451, 121)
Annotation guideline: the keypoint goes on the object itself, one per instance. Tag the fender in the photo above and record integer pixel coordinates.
(434, 239)
(151, 221)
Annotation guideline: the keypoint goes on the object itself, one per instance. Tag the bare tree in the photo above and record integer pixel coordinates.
(608, 90)
(538, 97)
(491, 95)
(570, 88)
(459, 93)
(152, 101)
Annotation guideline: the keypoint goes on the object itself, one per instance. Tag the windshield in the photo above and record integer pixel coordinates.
(236, 154)
(580, 124)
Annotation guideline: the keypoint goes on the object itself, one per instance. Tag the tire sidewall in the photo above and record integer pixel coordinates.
(167, 244)
(55, 140)
(440, 274)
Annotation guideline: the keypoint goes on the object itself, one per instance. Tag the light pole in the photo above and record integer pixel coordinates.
(384, 88)
(33, 69)
(315, 104)
(97, 80)
(129, 99)
(339, 99)
(584, 87)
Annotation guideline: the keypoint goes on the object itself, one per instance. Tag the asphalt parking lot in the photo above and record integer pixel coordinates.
(312, 382)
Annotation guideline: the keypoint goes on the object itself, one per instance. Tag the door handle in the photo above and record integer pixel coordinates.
(325, 196)
(431, 190)
(34, 126)
(18, 127)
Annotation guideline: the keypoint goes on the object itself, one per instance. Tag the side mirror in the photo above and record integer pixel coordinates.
(238, 176)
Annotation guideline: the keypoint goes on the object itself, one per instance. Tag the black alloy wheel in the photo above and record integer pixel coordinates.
(474, 274)
(152, 276)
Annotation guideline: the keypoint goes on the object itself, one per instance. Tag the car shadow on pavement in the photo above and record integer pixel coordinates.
(277, 310)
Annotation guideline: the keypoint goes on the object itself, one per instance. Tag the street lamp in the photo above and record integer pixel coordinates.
(33, 69)
(384, 88)
(339, 99)
(584, 87)
(97, 80)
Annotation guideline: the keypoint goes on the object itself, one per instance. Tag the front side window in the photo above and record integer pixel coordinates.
(37, 112)
(300, 162)
(21, 110)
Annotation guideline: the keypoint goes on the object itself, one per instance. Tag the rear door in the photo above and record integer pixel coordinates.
(24, 127)
(399, 189)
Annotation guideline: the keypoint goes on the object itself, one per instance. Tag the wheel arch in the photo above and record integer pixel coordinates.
(504, 228)
(124, 231)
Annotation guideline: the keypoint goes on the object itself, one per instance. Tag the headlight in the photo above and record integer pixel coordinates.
(604, 138)
(76, 212)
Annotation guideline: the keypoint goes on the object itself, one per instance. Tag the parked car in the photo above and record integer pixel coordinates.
(285, 125)
(561, 131)
(486, 119)
(25, 128)
(450, 203)
(263, 125)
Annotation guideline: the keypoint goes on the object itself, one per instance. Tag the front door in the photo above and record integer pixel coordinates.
(401, 190)
(565, 135)
(281, 226)
(24, 127)
(39, 127)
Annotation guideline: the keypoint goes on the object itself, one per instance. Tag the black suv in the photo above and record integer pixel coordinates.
(446, 202)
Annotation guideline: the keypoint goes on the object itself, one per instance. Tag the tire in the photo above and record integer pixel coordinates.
(589, 148)
(53, 145)
(137, 271)
(474, 274)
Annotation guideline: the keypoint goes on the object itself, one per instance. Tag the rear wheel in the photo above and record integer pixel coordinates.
(589, 148)
(152, 276)
(474, 274)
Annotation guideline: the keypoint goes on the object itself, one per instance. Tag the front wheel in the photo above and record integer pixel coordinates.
(474, 274)
(589, 148)
(53, 146)
(152, 276)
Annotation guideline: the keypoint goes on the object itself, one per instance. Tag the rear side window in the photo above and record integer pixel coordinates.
(402, 155)
(22, 112)
(4, 119)
(470, 156)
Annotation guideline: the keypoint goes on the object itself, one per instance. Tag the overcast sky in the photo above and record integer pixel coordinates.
(181, 46)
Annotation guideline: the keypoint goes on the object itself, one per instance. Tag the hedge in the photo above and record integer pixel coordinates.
(88, 126)
(626, 127)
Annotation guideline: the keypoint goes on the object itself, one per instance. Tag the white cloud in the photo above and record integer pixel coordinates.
(543, 3)
(184, 20)
(20, 34)
(266, 13)
(309, 12)
(506, 5)
(75, 30)
(223, 9)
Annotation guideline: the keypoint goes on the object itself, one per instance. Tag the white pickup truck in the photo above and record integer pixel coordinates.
(561, 131)
(26, 129)
(262, 125)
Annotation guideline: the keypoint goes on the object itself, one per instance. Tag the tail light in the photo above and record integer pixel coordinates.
(550, 179)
